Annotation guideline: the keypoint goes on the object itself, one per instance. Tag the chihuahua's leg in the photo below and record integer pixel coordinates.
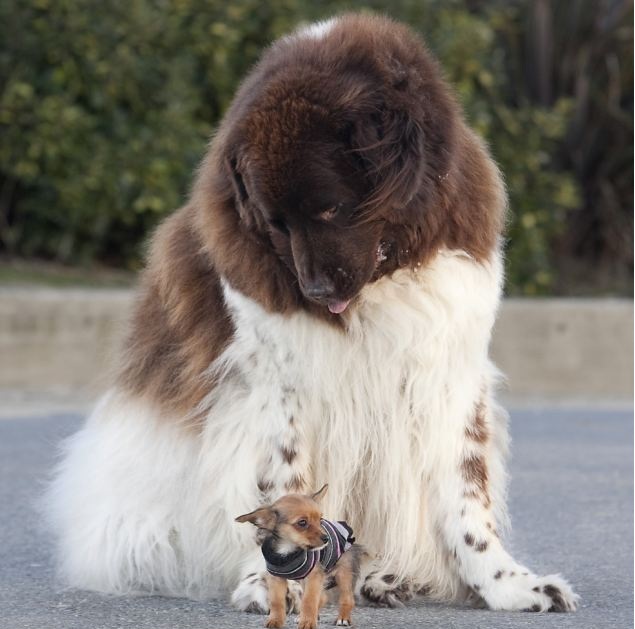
(277, 601)
(313, 589)
(471, 490)
(344, 578)
(324, 599)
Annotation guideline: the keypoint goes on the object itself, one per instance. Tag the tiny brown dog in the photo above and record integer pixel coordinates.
(298, 543)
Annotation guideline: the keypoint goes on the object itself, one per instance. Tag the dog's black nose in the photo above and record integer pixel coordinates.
(320, 287)
(325, 538)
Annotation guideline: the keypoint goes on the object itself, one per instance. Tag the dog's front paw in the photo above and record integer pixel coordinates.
(305, 622)
(251, 594)
(384, 591)
(274, 623)
(527, 592)
(343, 622)
(558, 595)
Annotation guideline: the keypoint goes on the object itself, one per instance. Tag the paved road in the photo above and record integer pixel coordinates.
(571, 503)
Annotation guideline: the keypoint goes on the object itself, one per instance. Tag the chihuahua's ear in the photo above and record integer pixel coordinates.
(318, 495)
(263, 518)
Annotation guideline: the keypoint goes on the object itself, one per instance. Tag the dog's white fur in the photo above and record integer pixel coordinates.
(379, 412)
(317, 29)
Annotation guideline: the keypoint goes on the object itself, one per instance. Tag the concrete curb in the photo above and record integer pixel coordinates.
(555, 349)
(62, 343)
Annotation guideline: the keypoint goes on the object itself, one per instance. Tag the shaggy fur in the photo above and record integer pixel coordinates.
(320, 311)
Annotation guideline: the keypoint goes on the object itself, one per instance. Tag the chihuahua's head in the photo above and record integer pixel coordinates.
(293, 521)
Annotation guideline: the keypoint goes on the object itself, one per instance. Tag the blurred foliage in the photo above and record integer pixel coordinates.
(106, 107)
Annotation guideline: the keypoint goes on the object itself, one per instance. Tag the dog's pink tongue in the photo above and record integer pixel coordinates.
(338, 307)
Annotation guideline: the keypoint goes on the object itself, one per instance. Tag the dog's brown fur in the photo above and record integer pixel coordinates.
(179, 324)
(343, 157)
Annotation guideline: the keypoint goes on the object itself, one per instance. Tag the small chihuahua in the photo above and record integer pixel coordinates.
(300, 544)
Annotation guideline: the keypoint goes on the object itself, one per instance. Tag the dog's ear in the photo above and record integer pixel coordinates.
(263, 518)
(249, 215)
(319, 494)
(238, 184)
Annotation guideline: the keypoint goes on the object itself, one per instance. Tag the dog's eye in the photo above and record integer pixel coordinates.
(330, 213)
(280, 226)
(302, 524)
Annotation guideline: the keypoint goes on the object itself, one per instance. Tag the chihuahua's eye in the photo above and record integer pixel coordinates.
(280, 226)
(330, 213)
(302, 524)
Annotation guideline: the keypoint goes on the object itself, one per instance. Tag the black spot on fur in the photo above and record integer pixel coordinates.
(534, 608)
(255, 608)
(469, 539)
(288, 454)
(264, 486)
(499, 574)
(559, 604)
(490, 527)
(424, 590)
(296, 483)
(394, 597)
(372, 597)
(481, 547)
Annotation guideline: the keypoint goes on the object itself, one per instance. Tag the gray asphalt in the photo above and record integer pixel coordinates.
(572, 509)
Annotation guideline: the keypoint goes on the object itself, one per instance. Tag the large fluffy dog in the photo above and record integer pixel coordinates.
(319, 312)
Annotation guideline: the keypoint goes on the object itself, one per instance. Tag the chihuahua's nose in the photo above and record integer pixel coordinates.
(325, 538)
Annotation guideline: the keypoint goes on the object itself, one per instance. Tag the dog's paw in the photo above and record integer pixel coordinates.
(294, 597)
(307, 623)
(384, 591)
(343, 622)
(250, 594)
(557, 595)
(274, 623)
(527, 592)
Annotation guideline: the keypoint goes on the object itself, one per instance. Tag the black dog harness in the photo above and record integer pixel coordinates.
(299, 564)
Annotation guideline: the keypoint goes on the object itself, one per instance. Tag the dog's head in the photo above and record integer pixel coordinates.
(293, 520)
(326, 168)
(332, 167)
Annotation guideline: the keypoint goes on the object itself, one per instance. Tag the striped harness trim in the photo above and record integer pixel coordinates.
(299, 564)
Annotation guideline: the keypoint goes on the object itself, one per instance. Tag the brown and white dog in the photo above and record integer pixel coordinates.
(319, 311)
